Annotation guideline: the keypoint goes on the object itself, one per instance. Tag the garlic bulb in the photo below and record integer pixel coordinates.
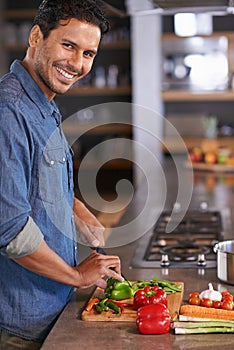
(211, 294)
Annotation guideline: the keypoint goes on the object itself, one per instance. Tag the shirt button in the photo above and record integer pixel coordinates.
(52, 162)
(64, 159)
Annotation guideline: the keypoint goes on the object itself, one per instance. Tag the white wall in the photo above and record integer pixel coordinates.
(146, 81)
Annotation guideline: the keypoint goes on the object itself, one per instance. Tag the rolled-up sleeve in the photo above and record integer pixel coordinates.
(26, 242)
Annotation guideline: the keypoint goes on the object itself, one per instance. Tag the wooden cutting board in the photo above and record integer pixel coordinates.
(129, 315)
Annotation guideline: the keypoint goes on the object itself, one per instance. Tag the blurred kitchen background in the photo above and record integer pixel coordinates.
(177, 61)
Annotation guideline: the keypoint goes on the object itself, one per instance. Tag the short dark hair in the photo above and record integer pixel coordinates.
(51, 12)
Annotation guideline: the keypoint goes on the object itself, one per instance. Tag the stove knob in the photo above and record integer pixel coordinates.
(165, 261)
(201, 260)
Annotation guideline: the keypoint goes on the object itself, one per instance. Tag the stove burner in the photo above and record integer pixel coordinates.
(187, 252)
(190, 245)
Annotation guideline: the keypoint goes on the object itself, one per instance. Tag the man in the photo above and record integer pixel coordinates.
(38, 259)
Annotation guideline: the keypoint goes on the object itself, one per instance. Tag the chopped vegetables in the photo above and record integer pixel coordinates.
(104, 305)
(91, 304)
(114, 307)
(153, 292)
(101, 306)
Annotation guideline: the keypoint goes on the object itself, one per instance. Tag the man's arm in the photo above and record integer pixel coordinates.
(30, 250)
(91, 271)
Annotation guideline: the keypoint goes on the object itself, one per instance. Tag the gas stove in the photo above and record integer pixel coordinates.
(189, 245)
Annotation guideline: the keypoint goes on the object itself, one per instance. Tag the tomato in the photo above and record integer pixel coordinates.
(227, 305)
(216, 304)
(194, 301)
(228, 298)
(206, 302)
(227, 294)
(194, 294)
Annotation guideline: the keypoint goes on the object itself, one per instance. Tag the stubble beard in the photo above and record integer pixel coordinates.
(44, 78)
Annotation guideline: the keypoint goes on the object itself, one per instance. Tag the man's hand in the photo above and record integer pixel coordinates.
(90, 229)
(93, 269)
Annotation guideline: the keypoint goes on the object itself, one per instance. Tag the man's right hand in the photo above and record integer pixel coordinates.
(96, 267)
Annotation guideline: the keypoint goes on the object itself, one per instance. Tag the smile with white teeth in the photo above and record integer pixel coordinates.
(65, 74)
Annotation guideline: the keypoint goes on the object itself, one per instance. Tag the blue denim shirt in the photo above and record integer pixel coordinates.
(37, 182)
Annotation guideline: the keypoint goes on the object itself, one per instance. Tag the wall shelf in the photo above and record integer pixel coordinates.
(18, 14)
(94, 129)
(118, 45)
(185, 96)
(91, 90)
(191, 142)
(172, 36)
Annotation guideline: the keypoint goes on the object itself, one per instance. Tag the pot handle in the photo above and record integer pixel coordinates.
(215, 248)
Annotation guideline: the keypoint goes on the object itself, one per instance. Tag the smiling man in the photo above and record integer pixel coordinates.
(66, 56)
(38, 211)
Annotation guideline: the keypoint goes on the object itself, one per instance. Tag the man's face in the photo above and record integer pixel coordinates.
(65, 56)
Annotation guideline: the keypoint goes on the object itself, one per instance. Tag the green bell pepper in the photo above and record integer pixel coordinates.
(117, 290)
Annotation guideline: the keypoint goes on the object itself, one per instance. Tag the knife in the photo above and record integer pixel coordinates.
(99, 250)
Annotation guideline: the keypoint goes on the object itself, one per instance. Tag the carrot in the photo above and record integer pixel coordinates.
(91, 303)
(205, 312)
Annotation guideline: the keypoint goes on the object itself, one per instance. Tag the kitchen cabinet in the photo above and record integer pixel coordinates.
(182, 98)
(108, 82)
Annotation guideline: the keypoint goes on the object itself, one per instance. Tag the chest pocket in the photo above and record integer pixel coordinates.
(54, 175)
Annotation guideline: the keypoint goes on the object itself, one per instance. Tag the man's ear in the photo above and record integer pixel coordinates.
(35, 36)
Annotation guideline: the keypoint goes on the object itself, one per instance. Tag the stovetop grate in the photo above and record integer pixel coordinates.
(192, 239)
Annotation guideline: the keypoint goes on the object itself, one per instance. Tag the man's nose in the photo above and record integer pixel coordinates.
(77, 61)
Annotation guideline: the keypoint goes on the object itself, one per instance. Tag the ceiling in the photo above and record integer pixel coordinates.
(164, 7)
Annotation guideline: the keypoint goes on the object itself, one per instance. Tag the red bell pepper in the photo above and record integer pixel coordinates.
(153, 319)
(149, 295)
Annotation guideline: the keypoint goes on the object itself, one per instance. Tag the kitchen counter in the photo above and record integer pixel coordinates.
(70, 332)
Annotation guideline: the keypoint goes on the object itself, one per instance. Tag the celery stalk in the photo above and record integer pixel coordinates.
(209, 324)
(204, 330)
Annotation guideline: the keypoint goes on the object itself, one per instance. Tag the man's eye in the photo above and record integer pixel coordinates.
(89, 54)
(69, 46)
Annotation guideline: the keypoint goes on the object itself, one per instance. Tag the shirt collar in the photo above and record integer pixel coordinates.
(46, 107)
